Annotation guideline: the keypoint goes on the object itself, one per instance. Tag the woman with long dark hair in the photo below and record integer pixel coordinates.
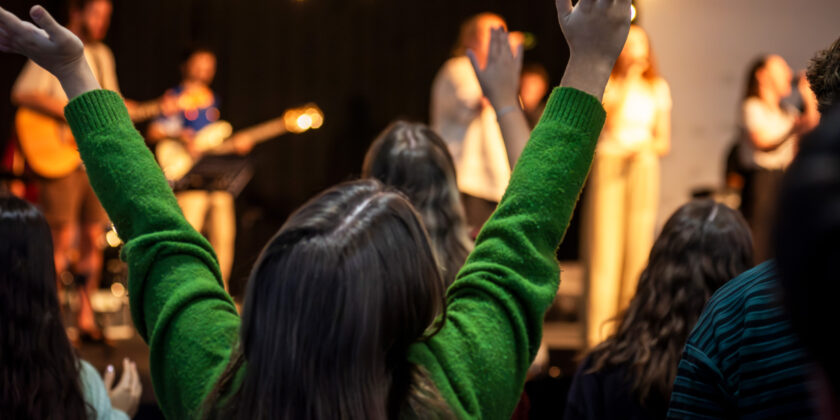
(619, 215)
(40, 375)
(414, 159)
(629, 376)
(344, 314)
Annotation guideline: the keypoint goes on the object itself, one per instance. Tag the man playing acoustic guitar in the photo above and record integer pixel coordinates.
(65, 196)
(211, 211)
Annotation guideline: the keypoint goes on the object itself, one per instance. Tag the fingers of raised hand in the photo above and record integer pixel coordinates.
(564, 7)
(126, 377)
(500, 45)
(45, 21)
(108, 378)
(137, 389)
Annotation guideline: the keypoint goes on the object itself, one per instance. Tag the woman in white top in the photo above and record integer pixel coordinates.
(620, 210)
(467, 122)
(770, 131)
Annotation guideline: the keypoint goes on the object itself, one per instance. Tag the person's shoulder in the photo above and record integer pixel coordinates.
(740, 290)
(753, 104)
(457, 64)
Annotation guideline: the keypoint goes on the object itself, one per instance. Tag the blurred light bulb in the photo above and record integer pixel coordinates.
(304, 122)
(118, 290)
(632, 12)
(113, 239)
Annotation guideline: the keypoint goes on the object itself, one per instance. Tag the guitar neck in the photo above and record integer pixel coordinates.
(265, 131)
(256, 134)
(145, 111)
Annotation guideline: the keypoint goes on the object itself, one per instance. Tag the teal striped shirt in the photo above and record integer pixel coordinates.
(743, 359)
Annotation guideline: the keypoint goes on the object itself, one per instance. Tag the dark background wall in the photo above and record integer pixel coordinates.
(364, 62)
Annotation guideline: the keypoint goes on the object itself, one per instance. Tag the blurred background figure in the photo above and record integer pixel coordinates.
(467, 122)
(533, 86)
(770, 132)
(620, 213)
(76, 218)
(197, 107)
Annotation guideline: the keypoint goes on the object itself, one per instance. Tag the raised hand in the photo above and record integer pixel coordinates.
(126, 394)
(596, 31)
(49, 45)
(499, 78)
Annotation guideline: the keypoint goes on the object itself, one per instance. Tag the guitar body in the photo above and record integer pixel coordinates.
(176, 161)
(173, 158)
(48, 145)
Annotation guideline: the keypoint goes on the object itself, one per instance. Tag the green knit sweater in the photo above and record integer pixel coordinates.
(495, 307)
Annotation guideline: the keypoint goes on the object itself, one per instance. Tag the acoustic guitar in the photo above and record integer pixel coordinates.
(176, 161)
(48, 145)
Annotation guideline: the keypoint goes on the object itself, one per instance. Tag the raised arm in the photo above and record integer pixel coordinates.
(177, 300)
(499, 81)
(497, 303)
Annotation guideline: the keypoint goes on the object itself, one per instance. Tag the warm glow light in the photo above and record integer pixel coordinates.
(632, 12)
(317, 117)
(112, 238)
(118, 290)
(304, 122)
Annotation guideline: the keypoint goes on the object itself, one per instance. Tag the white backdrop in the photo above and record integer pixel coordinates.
(703, 48)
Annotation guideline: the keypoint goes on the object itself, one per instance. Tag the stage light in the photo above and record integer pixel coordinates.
(112, 238)
(118, 290)
(632, 12)
(304, 122)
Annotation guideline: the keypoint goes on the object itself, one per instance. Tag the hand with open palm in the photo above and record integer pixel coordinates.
(596, 31)
(49, 45)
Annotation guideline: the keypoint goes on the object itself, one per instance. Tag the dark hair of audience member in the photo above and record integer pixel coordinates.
(807, 246)
(414, 159)
(39, 371)
(824, 76)
(752, 76)
(333, 303)
(702, 246)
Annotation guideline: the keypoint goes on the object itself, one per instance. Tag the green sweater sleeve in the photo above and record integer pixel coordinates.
(493, 324)
(178, 303)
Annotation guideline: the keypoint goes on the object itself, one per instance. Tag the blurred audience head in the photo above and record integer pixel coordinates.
(703, 245)
(414, 159)
(824, 76)
(808, 249)
(39, 369)
(352, 277)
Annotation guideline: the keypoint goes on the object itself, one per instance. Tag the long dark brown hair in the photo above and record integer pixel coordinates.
(39, 372)
(702, 246)
(414, 159)
(332, 306)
